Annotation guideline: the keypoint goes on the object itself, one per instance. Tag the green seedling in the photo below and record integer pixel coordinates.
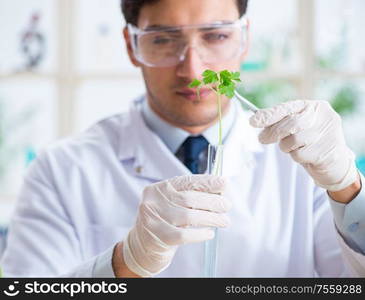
(221, 83)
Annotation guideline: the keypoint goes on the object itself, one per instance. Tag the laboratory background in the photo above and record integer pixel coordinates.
(63, 66)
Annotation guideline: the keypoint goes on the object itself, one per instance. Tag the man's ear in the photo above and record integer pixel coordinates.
(128, 44)
(247, 43)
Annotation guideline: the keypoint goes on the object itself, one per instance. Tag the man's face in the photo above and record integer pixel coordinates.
(167, 90)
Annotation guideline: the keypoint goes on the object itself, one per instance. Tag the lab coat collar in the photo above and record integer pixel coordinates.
(153, 159)
(174, 137)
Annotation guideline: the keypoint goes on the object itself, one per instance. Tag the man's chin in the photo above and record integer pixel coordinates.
(195, 117)
(182, 112)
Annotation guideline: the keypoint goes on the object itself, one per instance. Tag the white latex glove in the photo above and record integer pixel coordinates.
(311, 131)
(177, 211)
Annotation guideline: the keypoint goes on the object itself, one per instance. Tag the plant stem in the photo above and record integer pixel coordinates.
(198, 93)
(219, 113)
(219, 109)
(220, 119)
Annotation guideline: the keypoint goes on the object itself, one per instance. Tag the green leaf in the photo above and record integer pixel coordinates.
(230, 93)
(236, 75)
(227, 90)
(222, 89)
(223, 83)
(210, 76)
(208, 72)
(228, 77)
(225, 77)
(227, 85)
(226, 74)
(195, 83)
(226, 82)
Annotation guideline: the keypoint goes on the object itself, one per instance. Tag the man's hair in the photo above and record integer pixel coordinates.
(131, 8)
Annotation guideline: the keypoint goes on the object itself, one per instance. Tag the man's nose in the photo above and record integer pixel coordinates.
(192, 65)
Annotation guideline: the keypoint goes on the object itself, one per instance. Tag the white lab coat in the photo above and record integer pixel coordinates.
(81, 197)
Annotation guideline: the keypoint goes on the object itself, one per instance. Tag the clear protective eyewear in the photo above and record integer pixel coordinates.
(166, 46)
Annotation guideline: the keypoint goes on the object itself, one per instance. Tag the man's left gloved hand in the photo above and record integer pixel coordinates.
(311, 131)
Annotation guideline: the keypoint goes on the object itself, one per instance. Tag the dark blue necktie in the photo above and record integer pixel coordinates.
(192, 147)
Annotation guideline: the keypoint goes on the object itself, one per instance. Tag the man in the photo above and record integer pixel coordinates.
(120, 200)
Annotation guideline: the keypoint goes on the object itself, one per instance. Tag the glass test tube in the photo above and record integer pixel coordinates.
(214, 167)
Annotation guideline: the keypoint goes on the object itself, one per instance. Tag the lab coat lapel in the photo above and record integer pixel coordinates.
(152, 158)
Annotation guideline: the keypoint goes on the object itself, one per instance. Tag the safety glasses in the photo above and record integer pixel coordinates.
(166, 46)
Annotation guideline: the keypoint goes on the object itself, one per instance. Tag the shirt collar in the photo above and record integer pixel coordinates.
(173, 137)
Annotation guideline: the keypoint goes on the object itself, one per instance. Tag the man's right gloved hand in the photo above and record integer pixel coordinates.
(173, 212)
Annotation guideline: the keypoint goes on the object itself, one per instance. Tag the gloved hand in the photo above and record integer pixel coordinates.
(174, 212)
(311, 132)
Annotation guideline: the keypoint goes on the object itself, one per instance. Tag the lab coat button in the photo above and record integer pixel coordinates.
(353, 227)
(138, 169)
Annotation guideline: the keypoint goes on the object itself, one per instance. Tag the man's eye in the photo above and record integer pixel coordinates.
(162, 40)
(216, 37)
